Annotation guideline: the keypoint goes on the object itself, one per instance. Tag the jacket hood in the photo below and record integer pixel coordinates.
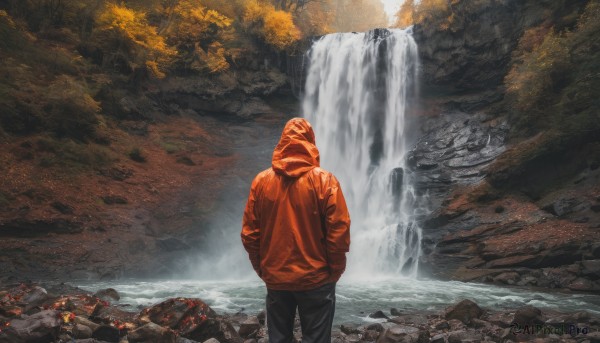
(296, 152)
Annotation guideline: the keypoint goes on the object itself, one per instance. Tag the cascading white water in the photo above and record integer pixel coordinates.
(357, 92)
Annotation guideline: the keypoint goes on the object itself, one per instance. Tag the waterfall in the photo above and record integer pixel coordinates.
(358, 89)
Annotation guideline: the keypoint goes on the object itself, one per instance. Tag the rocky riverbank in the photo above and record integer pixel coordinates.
(61, 313)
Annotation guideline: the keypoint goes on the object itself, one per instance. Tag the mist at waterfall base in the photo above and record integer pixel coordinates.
(358, 90)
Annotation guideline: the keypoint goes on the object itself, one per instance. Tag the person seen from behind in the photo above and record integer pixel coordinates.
(296, 230)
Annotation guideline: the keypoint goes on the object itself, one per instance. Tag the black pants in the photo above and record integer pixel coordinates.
(316, 308)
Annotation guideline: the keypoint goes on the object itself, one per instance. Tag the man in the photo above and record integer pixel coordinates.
(296, 229)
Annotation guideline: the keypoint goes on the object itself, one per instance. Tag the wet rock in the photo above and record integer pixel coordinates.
(456, 325)
(464, 336)
(152, 333)
(108, 294)
(395, 312)
(584, 285)
(43, 326)
(376, 327)
(85, 322)
(249, 327)
(561, 320)
(501, 319)
(399, 334)
(349, 329)
(34, 297)
(591, 268)
(464, 311)
(370, 335)
(417, 320)
(211, 340)
(443, 325)
(439, 338)
(106, 333)
(479, 324)
(528, 315)
(178, 313)
(261, 316)
(219, 329)
(508, 278)
(111, 314)
(353, 338)
(378, 315)
(184, 340)
(81, 331)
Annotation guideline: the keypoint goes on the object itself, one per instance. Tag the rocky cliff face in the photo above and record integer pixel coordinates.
(503, 210)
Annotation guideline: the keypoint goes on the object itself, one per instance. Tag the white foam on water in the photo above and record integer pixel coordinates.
(355, 300)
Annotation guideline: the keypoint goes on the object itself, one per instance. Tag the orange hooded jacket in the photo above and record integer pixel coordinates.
(296, 226)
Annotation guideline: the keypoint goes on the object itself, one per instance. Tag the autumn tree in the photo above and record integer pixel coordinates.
(405, 15)
(276, 27)
(128, 38)
(199, 33)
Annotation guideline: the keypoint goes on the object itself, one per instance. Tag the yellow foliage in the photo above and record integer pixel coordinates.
(215, 59)
(135, 34)
(275, 26)
(405, 16)
(192, 21)
(279, 29)
(199, 34)
(531, 80)
(255, 11)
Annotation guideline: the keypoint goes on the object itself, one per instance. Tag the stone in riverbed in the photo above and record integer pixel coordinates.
(376, 327)
(394, 312)
(152, 333)
(403, 334)
(85, 322)
(218, 329)
(464, 336)
(249, 327)
(81, 331)
(108, 294)
(43, 326)
(440, 338)
(370, 335)
(442, 325)
(417, 320)
(501, 319)
(107, 333)
(528, 315)
(464, 311)
(378, 315)
(349, 329)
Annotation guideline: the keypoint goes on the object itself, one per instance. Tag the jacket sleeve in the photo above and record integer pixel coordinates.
(251, 229)
(337, 225)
